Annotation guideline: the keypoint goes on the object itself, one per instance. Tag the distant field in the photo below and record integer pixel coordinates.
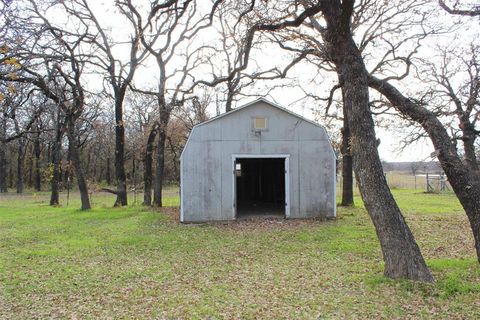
(136, 262)
(405, 180)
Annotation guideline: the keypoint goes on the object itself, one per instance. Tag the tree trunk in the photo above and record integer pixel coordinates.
(20, 166)
(3, 155)
(469, 148)
(37, 152)
(401, 254)
(159, 175)
(347, 164)
(77, 163)
(175, 160)
(230, 95)
(120, 155)
(147, 164)
(67, 172)
(56, 174)
(3, 169)
(464, 182)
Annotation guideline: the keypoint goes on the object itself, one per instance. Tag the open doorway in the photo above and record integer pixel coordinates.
(260, 187)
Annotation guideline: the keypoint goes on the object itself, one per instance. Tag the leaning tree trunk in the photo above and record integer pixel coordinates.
(20, 166)
(56, 174)
(347, 164)
(401, 253)
(464, 182)
(77, 163)
(120, 156)
(147, 165)
(159, 174)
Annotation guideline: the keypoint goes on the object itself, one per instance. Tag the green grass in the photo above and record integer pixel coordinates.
(421, 203)
(138, 263)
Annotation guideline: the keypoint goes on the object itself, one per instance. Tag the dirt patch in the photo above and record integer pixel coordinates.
(251, 223)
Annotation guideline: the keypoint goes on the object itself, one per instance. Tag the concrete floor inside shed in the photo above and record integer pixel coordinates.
(260, 210)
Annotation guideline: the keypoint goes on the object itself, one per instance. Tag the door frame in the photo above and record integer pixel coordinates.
(260, 156)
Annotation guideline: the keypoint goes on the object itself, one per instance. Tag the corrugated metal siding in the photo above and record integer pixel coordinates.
(207, 173)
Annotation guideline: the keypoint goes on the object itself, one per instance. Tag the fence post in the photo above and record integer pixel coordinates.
(428, 184)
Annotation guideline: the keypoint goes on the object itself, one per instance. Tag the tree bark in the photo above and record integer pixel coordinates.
(159, 174)
(464, 182)
(56, 174)
(175, 159)
(148, 171)
(77, 163)
(469, 148)
(120, 154)
(230, 96)
(3, 156)
(401, 253)
(347, 164)
(67, 172)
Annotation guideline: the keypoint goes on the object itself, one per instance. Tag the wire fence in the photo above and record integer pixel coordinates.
(422, 182)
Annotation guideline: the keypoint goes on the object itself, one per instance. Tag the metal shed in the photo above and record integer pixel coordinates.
(258, 159)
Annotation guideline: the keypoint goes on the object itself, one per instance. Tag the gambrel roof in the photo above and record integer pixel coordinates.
(254, 102)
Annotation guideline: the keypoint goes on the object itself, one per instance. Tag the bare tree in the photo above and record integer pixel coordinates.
(58, 118)
(53, 62)
(168, 29)
(119, 71)
(19, 113)
(401, 254)
(417, 108)
(373, 22)
(457, 98)
(464, 182)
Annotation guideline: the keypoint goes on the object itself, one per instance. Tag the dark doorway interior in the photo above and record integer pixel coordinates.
(260, 186)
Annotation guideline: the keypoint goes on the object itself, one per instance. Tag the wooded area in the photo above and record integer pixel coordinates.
(106, 94)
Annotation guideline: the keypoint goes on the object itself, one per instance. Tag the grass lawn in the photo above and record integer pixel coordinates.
(138, 263)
